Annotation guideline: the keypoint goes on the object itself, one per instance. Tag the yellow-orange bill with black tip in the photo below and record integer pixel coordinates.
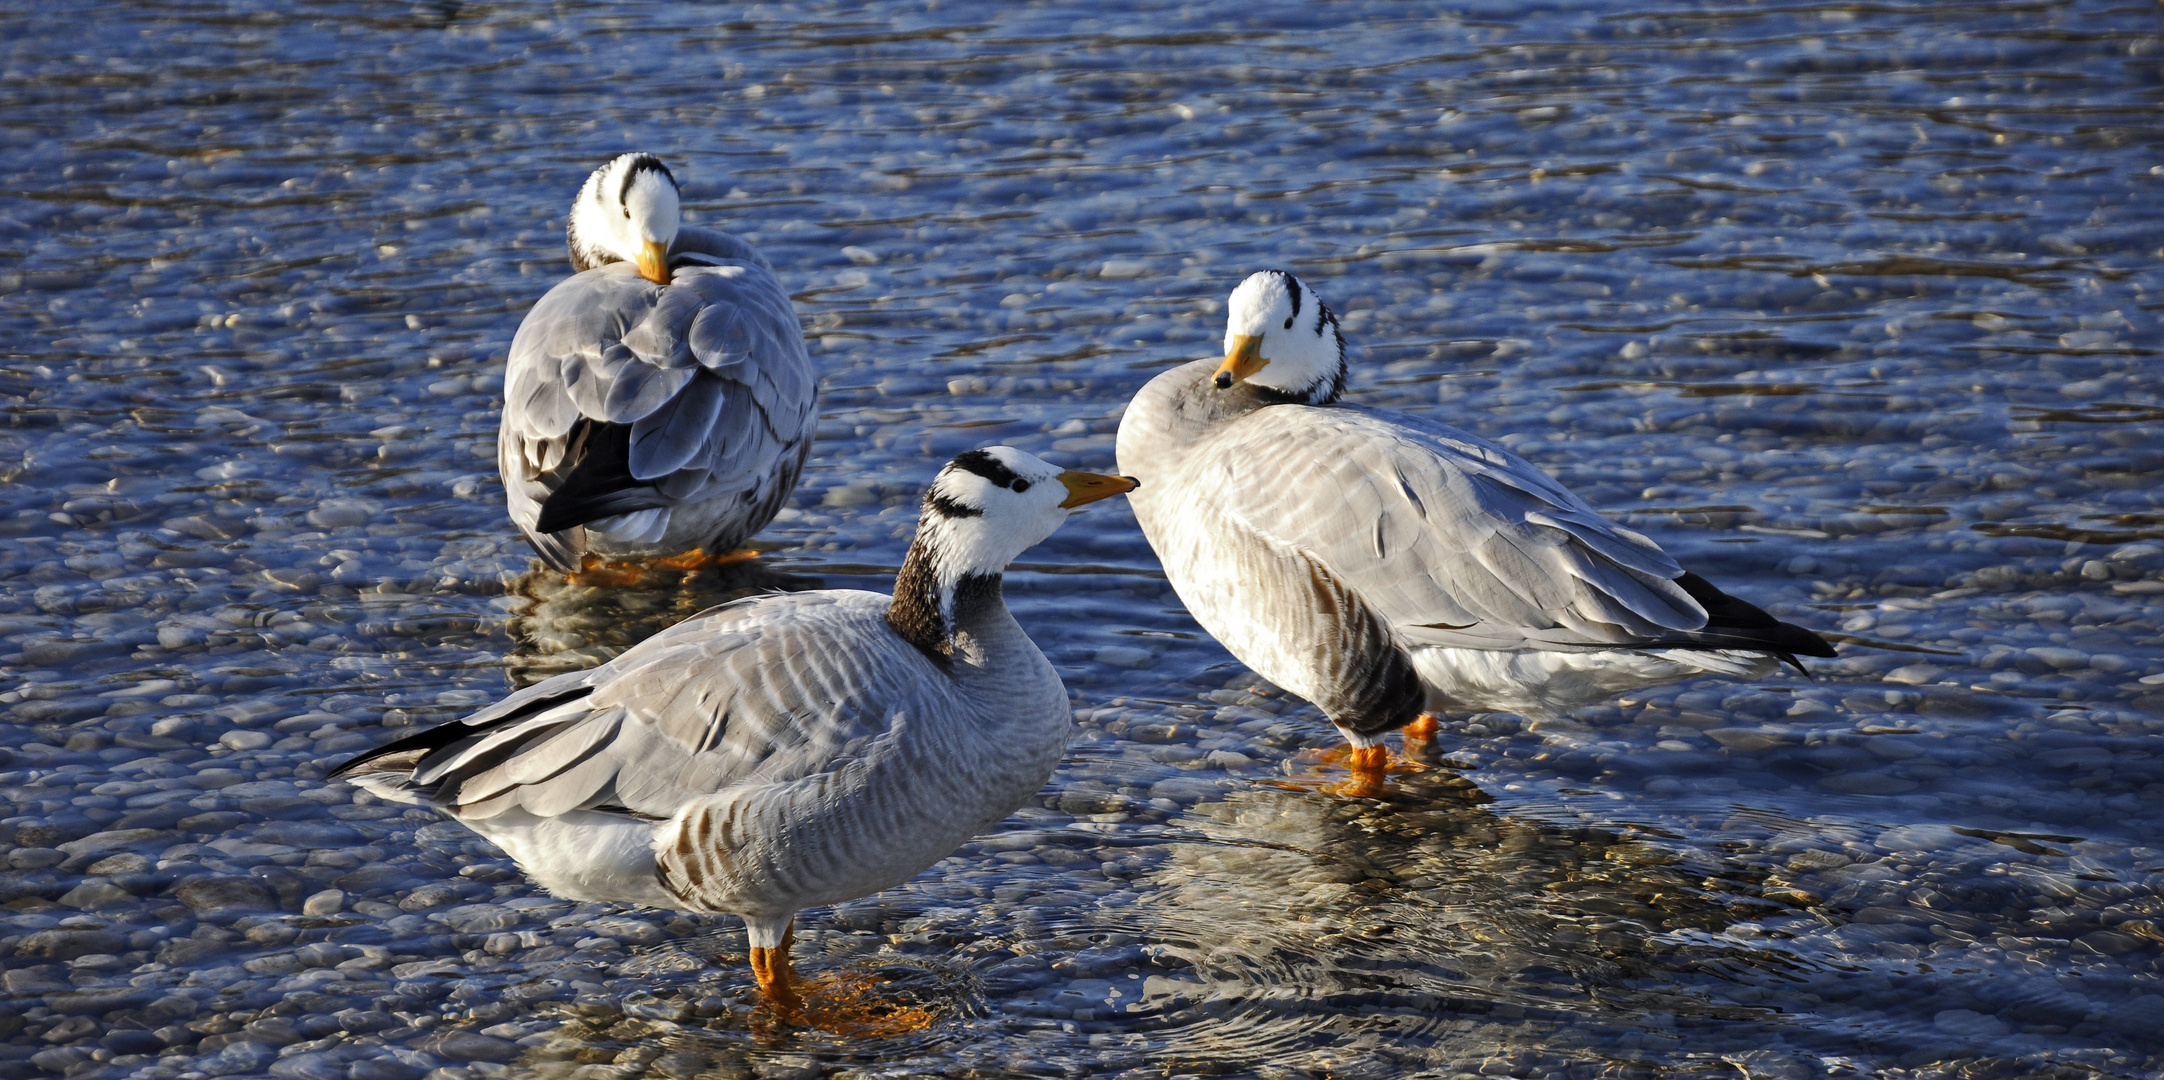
(1242, 360)
(1088, 487)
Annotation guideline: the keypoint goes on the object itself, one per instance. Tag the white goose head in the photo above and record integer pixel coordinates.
(981, 512)
(1281, 337)
(628, 211)
(989, 506)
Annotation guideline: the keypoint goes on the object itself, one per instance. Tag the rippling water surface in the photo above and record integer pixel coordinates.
(1847, 305)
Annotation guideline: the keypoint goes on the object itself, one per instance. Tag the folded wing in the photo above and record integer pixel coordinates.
(1451, 540)
(622, 395)
(768, 689)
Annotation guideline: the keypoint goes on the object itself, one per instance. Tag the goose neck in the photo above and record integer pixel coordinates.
(948, 615)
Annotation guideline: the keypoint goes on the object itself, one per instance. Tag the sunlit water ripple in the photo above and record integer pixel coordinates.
(1846, 305)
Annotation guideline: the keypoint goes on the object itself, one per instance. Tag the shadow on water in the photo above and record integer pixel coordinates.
(566, 627)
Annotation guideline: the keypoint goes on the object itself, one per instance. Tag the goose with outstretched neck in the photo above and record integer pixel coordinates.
(783, 750)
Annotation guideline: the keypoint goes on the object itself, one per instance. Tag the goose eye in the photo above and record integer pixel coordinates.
(1019, 484)
(1288, 318)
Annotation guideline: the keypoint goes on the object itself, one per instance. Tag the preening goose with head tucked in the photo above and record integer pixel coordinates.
(1389, 568)
(784, 750)
(659, 404)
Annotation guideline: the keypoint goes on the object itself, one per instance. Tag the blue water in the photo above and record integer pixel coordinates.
(1849, 307)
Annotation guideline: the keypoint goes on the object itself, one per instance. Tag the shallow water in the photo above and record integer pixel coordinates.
(1846, 305)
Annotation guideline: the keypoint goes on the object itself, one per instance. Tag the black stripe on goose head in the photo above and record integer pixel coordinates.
(985, 465)
(641, 163)
(945, 505)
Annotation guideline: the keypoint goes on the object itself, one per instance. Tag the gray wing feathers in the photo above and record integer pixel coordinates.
(710, 372)
(561, 747)
(1462, 543)
(615, 346)
(670, 437)
(771, 690)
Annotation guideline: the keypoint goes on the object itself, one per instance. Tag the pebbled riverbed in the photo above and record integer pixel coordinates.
(1847, 306)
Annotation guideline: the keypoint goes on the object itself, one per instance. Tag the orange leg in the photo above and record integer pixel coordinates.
(777, 980)
(1422, 727)
(846, 1003)
(1370, 769)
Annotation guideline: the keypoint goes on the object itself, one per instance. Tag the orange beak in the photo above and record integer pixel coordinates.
(1241, 361)
(1088, 487)
(654, 263)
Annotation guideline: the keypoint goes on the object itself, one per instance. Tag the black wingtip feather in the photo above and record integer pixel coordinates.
(419, 743)
(1734, 624)
(429, 740)
(599, 483)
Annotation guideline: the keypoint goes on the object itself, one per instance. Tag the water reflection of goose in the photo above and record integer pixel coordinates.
(1428, 933)
(1384, 566)
(660, 402)
(563, 625)
(785, 750)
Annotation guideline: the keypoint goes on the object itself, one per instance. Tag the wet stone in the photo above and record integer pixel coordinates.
(627, 931)
(1125, 656)
(69, 943)
(36, 858)
(426, 897)
(96, 895)
(341, 513)
(244, 740)
(385, 1068)
(1747, 740)
(59, 1059)
(311, 1066)
(480, 918)
(224, 898)
(474, 1046)
(246, 1057)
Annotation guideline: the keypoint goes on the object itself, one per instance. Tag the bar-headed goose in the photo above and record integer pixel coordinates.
(659, 404)
(783, 750)
(1387, 567)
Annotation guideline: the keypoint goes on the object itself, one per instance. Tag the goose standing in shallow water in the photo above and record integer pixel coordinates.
(1388, 568)
(659, 404)
(784, 750)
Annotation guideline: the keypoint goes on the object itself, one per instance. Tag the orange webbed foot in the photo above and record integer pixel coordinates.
(601, 573)
(699, 559)
(854, 1003)
(1423, 727)
(842, 1002)
(1370, 771)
